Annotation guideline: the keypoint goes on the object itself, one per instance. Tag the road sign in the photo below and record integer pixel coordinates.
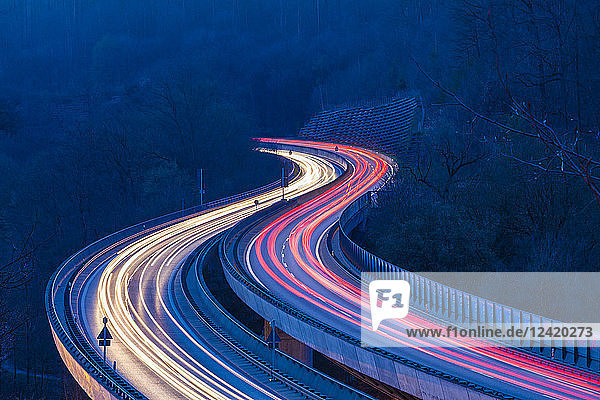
(105, 334)
(104, 337)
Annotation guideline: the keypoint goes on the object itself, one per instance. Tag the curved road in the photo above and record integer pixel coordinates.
(161, 347)
(288, 258)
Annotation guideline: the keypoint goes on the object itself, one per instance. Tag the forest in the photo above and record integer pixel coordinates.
(109, 108)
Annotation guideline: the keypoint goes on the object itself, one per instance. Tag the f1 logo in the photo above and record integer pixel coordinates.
(389, 300)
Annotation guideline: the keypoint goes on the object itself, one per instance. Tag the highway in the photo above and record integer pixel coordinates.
(163, 349)
(160, 346)
(288, 258)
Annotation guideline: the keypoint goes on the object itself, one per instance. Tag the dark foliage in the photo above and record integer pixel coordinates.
(107, 108)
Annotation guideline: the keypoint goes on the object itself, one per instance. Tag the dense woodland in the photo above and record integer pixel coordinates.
(108, 108)
(506, 175)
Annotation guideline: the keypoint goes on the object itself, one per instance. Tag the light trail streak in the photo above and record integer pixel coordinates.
(309, 280)
(142, 270)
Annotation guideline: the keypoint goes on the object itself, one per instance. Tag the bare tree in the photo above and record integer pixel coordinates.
(454, 159)
(15, 274)
(561, 156)
(550, 47)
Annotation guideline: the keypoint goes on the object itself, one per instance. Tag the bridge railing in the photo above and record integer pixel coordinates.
(245, 286)
(58, 292)
(456, 306)
(251, 346)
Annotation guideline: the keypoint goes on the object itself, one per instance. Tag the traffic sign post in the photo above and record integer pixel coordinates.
(285, 179)
(200, 175)
(283, 183)
(104, 337)
(273, 341)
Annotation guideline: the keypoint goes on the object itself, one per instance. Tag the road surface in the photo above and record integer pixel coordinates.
(287, 258)
(160, 346)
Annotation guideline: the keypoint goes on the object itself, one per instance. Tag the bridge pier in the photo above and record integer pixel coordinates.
(87, 381)
(388, 371)
(290, 346)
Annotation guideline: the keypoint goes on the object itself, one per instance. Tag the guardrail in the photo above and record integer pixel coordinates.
(58, 293)
(253, 347)
(454, 305)
(235, 272)
(99, 371)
